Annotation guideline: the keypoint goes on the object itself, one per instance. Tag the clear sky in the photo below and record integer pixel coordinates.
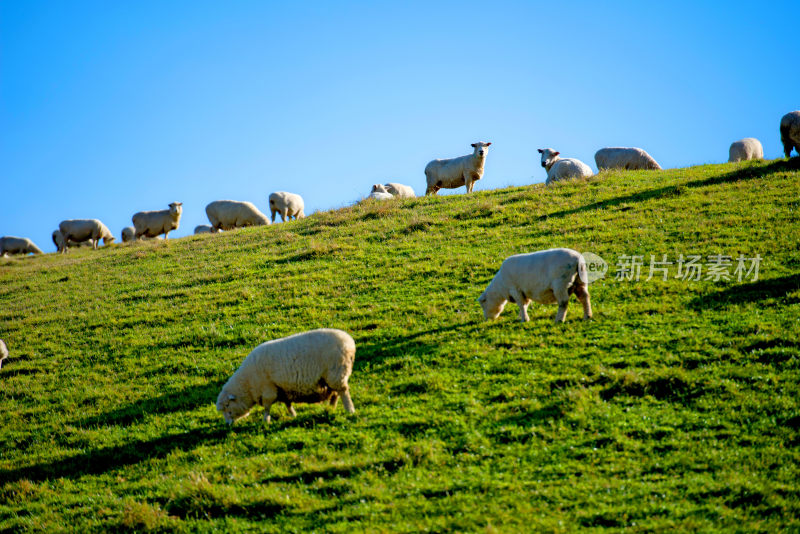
(109, 108)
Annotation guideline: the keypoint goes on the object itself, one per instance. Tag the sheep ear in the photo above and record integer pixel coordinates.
(540, 151)
(487, 144)
(556, 153)
(473, 144)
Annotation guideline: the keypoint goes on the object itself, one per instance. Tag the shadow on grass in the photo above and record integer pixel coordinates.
(743, 293)
(99, 461)
(176, 401)
(407, 343)
(307, 477)
(738, 175)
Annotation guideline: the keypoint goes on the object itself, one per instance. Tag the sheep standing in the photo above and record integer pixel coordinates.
(790, 132)
(128, 234)
(744, 149)
(80, 230)
(625, 158)
(154, 223)
(562, 168)
(453, 173)
(309, 367)
(58, 241)
(17, 245)
(203, 229)
(287, 204)
(230, 214)
(545, 276)
(3, 352)
(395, 189)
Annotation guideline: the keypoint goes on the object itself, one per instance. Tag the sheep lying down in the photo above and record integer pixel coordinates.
(545, 276)
(310, 367)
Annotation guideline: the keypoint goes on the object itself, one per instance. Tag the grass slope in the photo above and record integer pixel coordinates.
(677, 408)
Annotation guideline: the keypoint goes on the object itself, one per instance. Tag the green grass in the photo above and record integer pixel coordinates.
(676, 408)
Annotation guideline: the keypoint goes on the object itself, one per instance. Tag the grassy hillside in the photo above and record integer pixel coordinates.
(677, 407)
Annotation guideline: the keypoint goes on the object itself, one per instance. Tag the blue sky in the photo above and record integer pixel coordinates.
(109, 108)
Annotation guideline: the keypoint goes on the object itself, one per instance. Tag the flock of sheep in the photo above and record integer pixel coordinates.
(315, 366)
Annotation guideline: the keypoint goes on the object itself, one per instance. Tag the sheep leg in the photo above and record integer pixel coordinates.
(166, 234)
(268, 397)
(290, 408)
(273, 211)
(582, 292)
(523, 302)
(283, 215)
(346, 400)
(334, 400)
(339, 385)
(562, 297)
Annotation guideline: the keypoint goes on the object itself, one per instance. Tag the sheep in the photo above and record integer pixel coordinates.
(545, 276)
(562, 169)
(153, 223)
(744, 149)
(230, 214)
(453, 173)
(625, 158)
(80, 230)
(381, 195)
(309, 367)
(3, 352)
(128, 234)
(58, 238)
(287, 204)
(790, 132)
(395, 189)
(17, 245)
(203, 229)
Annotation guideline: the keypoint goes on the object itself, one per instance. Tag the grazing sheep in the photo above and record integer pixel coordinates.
(381, 195)
(80, 230)
(790, 132)
(128, 234)
(625, 158)
(453, 173)
(309, 367)
(287, 204)
(744, 149)
(3, 352)
(545, 276)
(562, 169)
(203, 229)
(58, 238)
(230, 214)
(154, 223)
(17, 245)
(395, 189)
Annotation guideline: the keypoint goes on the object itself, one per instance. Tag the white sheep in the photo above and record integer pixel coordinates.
(744, 149)
(545, 276)
(562, 168)
(453, 173)
(790, 132)
(309, 367)
(395, 189)
(381, 195)
(287, 204)
(3, 352)
(80, 230)
(17, 245)
(629, 158)
(58, 240)
(230, 214)
(203, 229)
(154, 223)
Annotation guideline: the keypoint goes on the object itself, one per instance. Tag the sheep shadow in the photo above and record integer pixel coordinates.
(752, 292)
(738, 175)
(310, 476)
(99, 461)
(176, 401)
(371, 351)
